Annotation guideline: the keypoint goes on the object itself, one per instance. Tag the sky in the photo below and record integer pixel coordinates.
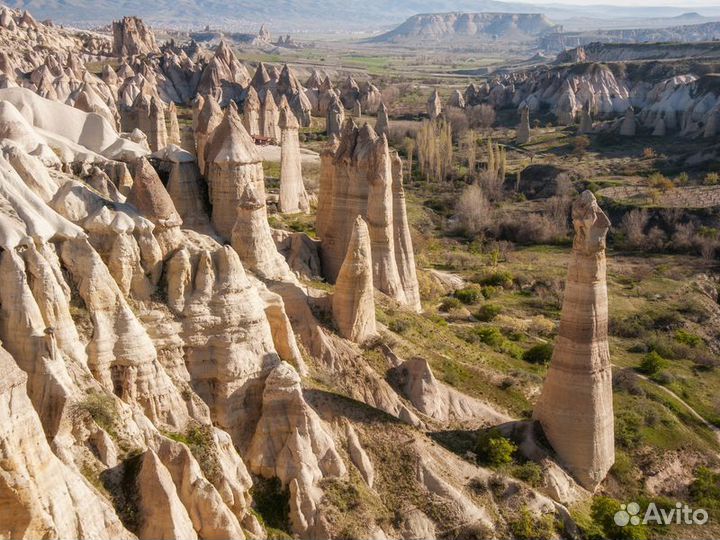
(689, 5)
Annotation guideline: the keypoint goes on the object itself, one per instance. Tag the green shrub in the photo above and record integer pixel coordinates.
(272, 503)
(687, 338)
(539, 354)
(651, 363)
(489, 292)
(489, 335)
(468, 295)
(705, 488)
(399, 326)
(199, 439)
(494, 449)
(512, 349)
(529, 472)
(524, 526)
(450, 303)
(603, 512)
(500, 278)
(101, 408)
(488, 312)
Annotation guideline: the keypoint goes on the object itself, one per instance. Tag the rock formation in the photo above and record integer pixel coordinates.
(434, 105)
(456, 100)
(575, 408)
(209, 119)
(293, 197)
(269, 116)
(251, 112)
(157, 131)
(335, 117)
(359, 180)
(381, 123)
(252, 239)
(131, 37)
(173, 130)
(353, 304)
(45, 491)
(628, 125)
(292, 444)
(233, 164)
(522, 135)
(162, 515)
(404, 254)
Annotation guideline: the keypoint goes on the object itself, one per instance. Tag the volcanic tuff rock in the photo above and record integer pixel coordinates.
(628, 125)
(434, 105)
(575, 408)
(353, 304)
(522, 135)
(335, 117)
(361, 177)
(293, 197)
(233, 163)
(381, 123)
(252, 239)
(292, 444)
(131, 37)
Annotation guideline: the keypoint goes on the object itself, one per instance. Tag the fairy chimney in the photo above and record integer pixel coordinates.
(233, 162)
(522, 135)
(353, 304)
(293, 197)
(575, 408)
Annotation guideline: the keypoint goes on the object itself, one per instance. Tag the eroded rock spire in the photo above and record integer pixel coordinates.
(575, 408)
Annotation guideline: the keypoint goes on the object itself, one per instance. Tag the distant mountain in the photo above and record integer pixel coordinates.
(316, 15)
(438, 27)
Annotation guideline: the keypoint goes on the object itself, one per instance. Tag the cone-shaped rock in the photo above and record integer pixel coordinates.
(252, 239)
(233, 163)
(209, 118)
(434, 105)
(173, 134)
(269, 116)
(353, 304)
(575, 408)
(403, 241)
(335, 117)
(251, 112)
(293, 197)
(522, 134)
(381, 123)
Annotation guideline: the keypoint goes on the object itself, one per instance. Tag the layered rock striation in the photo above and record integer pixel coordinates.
(575, 408)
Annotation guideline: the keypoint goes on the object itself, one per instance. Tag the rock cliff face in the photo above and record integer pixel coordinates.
(459, 27)
(361, 177)
(576, 405)
(131, 37)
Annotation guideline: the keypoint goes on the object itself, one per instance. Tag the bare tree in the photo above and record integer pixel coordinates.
(473, 210)
(482, 116)
(633, 225)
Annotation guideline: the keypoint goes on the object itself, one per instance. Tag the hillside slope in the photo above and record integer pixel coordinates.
(465, 26)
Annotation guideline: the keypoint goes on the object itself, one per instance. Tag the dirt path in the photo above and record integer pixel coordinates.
(711, 427)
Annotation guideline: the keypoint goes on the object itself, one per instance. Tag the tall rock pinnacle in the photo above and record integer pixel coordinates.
(575, 408)
(293, 197)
